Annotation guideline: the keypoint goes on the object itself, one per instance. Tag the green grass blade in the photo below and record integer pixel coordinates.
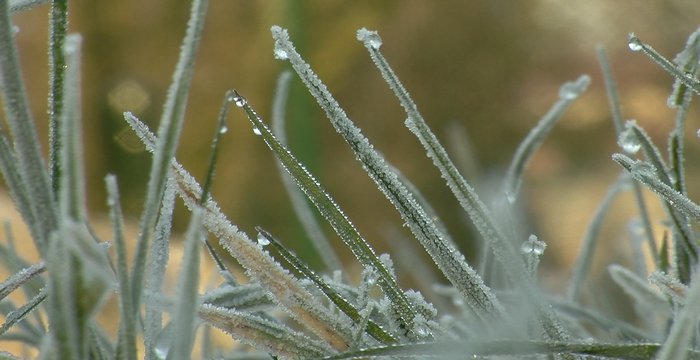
(345, 306)
(448, 259)
(69, 171)
(336, 218)
(301, 206)
(168, 135)
(647, 174)
(19, 192)
(635, 44)
(24, 135)
(259, 265)
(187, 295)
(22, 5)
(58, 31)
(127, 328)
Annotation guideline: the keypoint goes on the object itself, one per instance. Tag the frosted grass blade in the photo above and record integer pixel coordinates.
(259, 265)
(602, 322)
(568, 93)
(22, 5)
(345, 306)
(337, 219)
(247, 297)
(126, 338)
(678, 344)
(635, 44)
(58, 68)
(17, 187)
(590, 241)
(24, 135)
(296, 196)
(157, 263)
(646, 173)
(22, 312)
(688, 60)
(639, 290)
(20, 278)
(168, 135)
(69, 171)
(670, 286)
(264, 334)
(466, 349)
(616, 111)
(479, 297)
(186, 306)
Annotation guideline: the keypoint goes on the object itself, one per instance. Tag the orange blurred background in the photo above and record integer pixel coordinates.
(480, 71)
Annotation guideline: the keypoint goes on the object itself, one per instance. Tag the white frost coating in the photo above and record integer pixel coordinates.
(639, 289)
(471, 286)
(628, 140)
(634, 43)
(571, 90)
(683, 327)
(670, 286)
(371, 39)
(280, 54)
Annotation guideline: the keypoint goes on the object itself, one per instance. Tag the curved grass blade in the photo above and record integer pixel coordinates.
(683, 327)
(264, 334)
(635, 44)
(345, 306)
(20, 278)
(568, 93)
(479, 297)
(168, 135)
(301, 206)
(336, 218)
(24, 135)
(465, 349)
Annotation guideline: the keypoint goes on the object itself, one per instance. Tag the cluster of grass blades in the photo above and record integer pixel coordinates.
(286, 309)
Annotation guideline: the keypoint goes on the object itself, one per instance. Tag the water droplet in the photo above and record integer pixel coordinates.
(370, 38)
(628, 140)
(533, 246)
(263, 240)
(237, 99)
(223, 130)
(15, 29)
(634, 43)
(698, 133)
(257, 131)
(281, 54)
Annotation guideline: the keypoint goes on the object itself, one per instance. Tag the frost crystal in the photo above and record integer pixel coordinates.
(533, 246)
(263, 240)
(370, 38)
(281, 54)
(572, 89)
(628, 140)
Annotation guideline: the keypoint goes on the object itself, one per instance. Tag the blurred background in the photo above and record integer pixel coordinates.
(481, 72)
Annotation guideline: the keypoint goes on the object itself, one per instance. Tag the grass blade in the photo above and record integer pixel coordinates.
(20, 278)
(58, 25)
(336, 218)
(187, 300)
(24, 136)
(678, 342)
(168, 135)
(69, 168)
(126, 338)
(296, 196)
(345, 306)
(479, 297)
(21, 5)
(635, 44)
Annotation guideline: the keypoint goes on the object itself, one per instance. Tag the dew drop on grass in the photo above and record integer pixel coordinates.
(698, 133)
(257, 131)
(628, 140)
(237, 99)
(223, 130)
(370, 38)
(263, 240)
(634, 43)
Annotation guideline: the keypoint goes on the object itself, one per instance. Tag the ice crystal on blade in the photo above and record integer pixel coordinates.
(572, 89)
(533, 246)
(370, 38)
(263, 240)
